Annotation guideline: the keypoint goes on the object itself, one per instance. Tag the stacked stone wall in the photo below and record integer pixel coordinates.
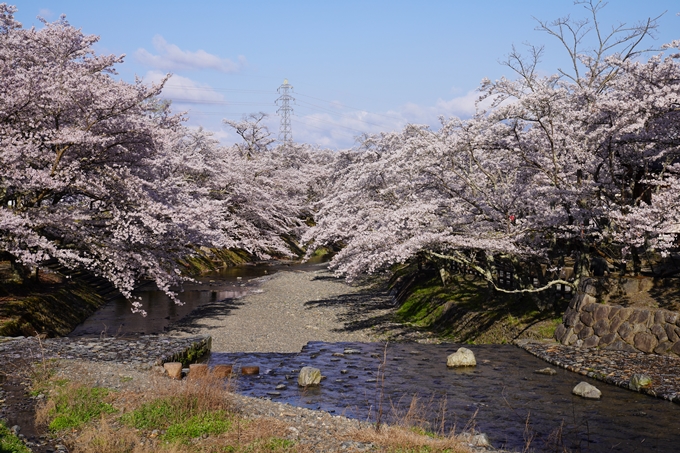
(589, 324)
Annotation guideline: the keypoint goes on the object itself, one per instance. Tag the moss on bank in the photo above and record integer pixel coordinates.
(53, 310)
(468, 311)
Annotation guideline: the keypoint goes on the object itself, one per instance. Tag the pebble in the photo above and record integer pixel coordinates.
(145, 351)
(613, 367)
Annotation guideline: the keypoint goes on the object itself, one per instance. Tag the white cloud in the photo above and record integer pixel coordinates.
(171, 58)
(184, 90)
(45, 13)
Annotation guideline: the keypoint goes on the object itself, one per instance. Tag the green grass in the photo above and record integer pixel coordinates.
(468, 311)
(179, 417)
(157, 414)
(210, 423)
(273, 444)
(74, 407)
(9, 443)
(547, 330)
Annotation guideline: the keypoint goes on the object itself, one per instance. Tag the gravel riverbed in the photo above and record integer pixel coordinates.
(285, 312)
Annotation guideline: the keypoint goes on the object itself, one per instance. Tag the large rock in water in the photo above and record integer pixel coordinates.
(309, 376)
(586, 390)
(462, 357)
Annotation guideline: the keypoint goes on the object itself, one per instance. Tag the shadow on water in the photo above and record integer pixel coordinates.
(502, 396)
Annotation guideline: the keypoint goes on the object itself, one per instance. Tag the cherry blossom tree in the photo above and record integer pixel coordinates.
(82, 175)
(579, 164)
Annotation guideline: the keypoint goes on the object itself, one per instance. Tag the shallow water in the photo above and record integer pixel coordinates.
(501, 397)
(116, 318)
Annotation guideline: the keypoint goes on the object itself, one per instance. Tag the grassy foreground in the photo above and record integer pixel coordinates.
(188, 416)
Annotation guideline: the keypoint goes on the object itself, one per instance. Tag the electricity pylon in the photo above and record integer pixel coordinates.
(285, 111)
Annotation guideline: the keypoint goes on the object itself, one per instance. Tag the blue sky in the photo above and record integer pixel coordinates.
(356, 66)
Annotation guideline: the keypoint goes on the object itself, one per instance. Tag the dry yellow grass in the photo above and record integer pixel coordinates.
(401, 439)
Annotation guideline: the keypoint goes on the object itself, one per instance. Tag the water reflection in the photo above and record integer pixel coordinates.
(116, 318)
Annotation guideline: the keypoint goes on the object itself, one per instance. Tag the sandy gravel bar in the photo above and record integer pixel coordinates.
(288, 310)
(613, 367)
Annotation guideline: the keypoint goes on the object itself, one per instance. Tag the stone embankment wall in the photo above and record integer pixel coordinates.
(589, 324)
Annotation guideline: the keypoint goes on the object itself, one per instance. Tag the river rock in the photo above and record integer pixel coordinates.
(222, 371)
(475, 440)
(639, 381)
(549, 371)
(585, 390)
(309, 376)
(174, 369)
(462, 357)
(198, 370)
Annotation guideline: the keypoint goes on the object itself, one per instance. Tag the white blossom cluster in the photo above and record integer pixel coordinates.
(98, 174)
(583, 163)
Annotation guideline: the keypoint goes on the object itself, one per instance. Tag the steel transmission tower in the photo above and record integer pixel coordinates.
(285, 111)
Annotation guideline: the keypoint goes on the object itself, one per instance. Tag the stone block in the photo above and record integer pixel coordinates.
(576, 301)
(625, 313)
(570, 317)
(640, 316)
(663, 347)
(607, 339)
(174, 369)
(591, 342)
(573, 338)
(198, 370)
(615, 323)
(601, 327)
(672, 332)
(587, 319)
(659, 332)
(560, 331)
(250, 370)
(626, 332)
(590, 290)
(671, 317)
(659, 317)
(222, 371)
(675, 349)
(601, 312)
(585, 333)
(614, 311)
(640, 328)
(645, 342)
(620, 345)
(567, 335)
(589, 307)
(578, 327)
